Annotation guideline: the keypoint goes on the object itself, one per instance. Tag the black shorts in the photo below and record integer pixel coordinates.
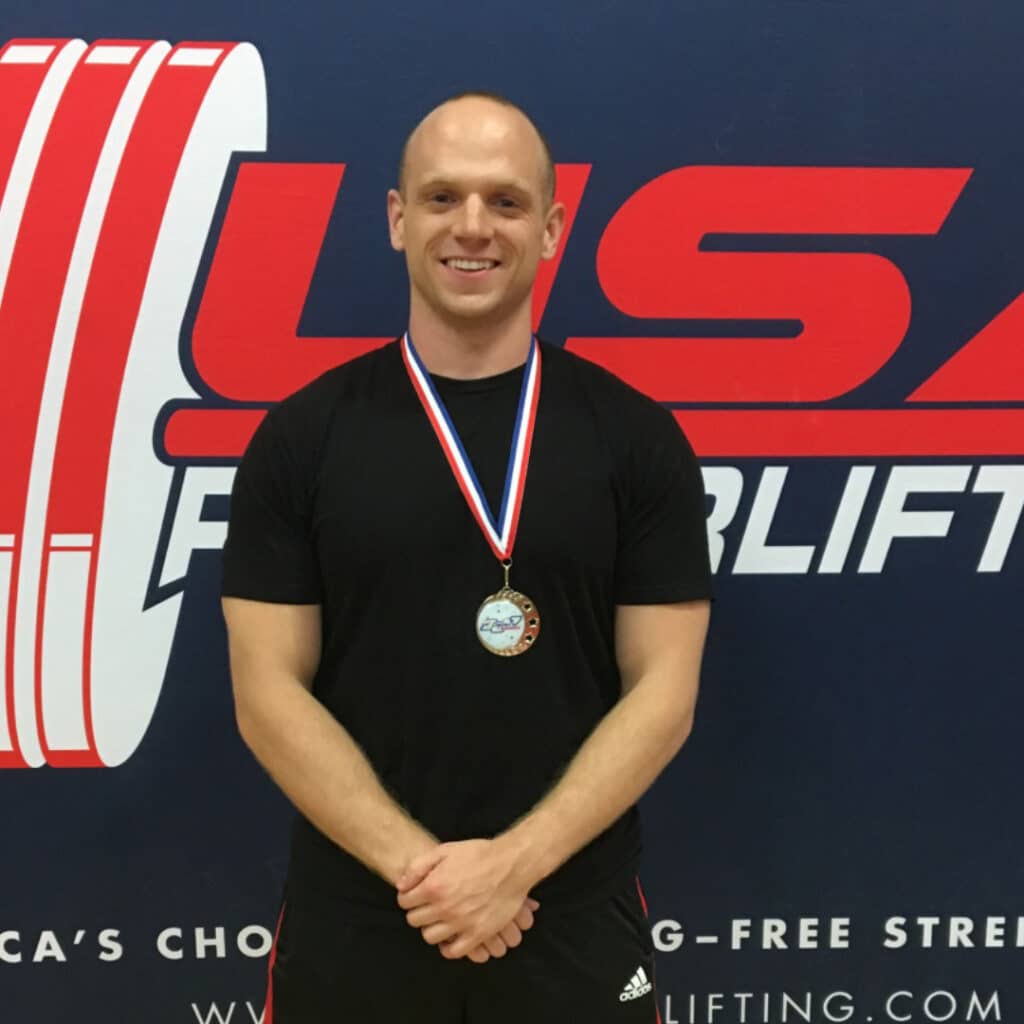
(595, 964)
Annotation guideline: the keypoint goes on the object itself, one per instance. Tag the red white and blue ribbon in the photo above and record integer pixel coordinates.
(501, 531)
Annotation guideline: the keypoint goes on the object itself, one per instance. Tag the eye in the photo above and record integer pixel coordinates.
(507, 203)
(441, 198)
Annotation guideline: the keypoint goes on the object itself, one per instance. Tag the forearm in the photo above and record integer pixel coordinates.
(610, 772)
(327, 777)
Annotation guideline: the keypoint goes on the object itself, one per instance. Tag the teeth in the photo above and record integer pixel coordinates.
(471, 264)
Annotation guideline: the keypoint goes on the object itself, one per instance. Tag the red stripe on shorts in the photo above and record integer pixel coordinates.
(268, 1011)
(643, 903)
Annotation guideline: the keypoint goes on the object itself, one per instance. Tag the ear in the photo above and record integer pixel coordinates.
(396, 220)
(554, 225)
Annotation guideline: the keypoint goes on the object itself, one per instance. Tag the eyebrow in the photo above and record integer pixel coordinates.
(509, 185)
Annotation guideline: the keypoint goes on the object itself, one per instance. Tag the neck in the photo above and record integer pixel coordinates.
(470, 351)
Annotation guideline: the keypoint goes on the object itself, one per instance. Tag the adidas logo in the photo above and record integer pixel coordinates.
(636, 987)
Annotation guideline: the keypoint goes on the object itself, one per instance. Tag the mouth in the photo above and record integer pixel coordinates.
(472, 268)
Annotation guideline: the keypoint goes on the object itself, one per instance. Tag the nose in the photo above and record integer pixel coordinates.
(473, 220)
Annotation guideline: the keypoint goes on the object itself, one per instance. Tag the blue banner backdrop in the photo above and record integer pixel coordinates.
(837, 839)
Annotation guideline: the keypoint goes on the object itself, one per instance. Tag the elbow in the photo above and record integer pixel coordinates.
(244, 725)
(244, 719)
(684, 728)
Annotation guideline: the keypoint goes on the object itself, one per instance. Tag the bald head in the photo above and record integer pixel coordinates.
(478, 120)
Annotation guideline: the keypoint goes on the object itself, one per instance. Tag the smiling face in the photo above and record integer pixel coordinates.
(473, 216)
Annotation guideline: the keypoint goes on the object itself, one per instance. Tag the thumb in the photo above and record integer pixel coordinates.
(418, 868)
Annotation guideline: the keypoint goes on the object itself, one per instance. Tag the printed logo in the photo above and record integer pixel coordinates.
(636, 987)
(501, 625)
(112, 160)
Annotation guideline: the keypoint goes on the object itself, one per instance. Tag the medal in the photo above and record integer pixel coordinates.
(507, 622)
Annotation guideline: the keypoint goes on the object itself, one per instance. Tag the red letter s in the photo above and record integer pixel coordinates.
(854, 307)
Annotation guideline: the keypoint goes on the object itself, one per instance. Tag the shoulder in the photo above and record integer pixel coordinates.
(292, 439)
(633, 415)
(306, 415)
(354, 380)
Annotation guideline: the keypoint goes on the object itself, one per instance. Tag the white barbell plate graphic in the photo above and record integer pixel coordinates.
(81, 589)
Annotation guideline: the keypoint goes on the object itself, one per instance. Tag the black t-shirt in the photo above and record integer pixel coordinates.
(344, 499)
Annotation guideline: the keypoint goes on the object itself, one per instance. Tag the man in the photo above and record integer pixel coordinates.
(466, 585)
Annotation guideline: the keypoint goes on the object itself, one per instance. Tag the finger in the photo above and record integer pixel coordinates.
(524, 919)
(511, 935)
(460, 946)
(437, 933)
(418, 869)
(422, 916)
(480, 955)
(457, 947)
(410, 882)
(419, 895)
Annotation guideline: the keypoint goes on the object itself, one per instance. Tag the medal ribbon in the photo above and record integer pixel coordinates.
(500, 532)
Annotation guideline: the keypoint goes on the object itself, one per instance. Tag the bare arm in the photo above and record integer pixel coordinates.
(275, 651)
(465, 889)
(659, 649)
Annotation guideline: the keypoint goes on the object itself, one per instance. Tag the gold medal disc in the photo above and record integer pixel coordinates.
(507, 623)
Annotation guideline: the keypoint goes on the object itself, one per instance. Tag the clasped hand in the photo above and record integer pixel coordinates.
(467, 899)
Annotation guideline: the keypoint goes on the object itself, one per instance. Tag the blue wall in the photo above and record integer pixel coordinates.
(857, 741)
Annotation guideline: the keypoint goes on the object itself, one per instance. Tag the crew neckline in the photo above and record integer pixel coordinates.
(497, 382)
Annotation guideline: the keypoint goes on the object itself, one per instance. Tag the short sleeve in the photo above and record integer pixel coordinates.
(662, 552)
(269, 553)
